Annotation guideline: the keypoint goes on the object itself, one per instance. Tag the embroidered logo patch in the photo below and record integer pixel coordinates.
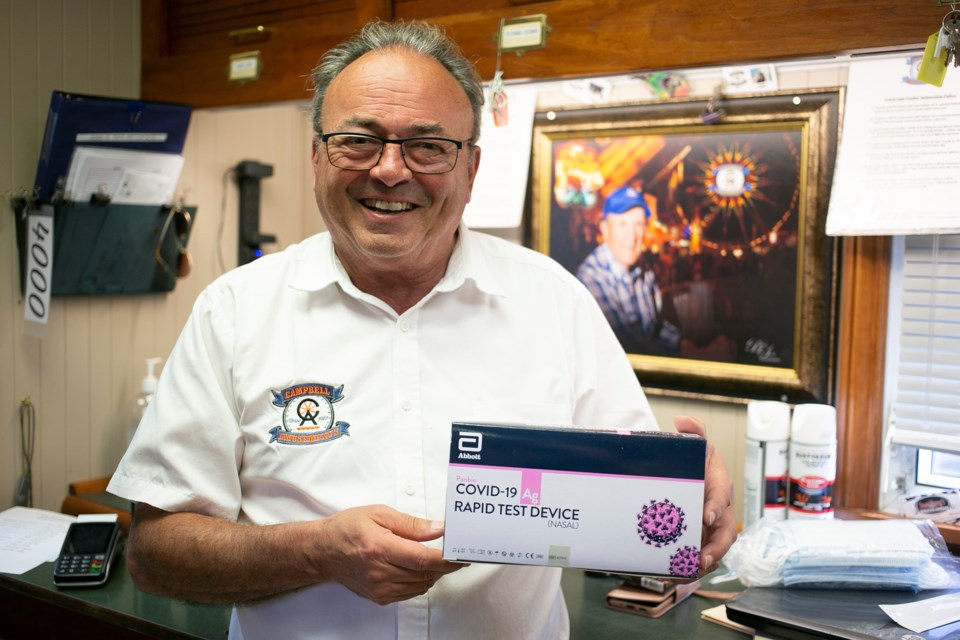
(308, 414)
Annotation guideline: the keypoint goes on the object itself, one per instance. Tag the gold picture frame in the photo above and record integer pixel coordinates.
(735, 195)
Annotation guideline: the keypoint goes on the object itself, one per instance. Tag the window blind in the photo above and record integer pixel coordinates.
(925, 411)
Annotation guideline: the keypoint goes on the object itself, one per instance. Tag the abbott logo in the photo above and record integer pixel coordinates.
(470, 444)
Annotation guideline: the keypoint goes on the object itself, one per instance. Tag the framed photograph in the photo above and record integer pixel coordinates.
(704, 244)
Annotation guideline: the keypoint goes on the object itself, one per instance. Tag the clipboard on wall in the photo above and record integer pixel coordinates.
(95, 121)
(128, 238)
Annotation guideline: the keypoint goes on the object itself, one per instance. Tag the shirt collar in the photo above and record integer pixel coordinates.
(316, 264)
(615, 267)
(318, 267)
(470, 262)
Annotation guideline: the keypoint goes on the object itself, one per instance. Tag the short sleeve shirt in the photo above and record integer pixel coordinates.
(291, 395)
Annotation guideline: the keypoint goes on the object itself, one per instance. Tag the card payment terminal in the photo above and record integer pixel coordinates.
(87, 554)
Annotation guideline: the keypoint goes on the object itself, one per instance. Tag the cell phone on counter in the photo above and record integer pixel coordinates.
(87, 554)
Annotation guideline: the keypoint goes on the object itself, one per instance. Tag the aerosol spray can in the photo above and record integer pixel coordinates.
(765, 461)
(813, 461)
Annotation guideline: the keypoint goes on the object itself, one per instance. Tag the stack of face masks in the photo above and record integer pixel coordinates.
(856, 554)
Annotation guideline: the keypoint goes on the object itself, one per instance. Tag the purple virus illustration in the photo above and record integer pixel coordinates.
(685, 562)
(660, 523)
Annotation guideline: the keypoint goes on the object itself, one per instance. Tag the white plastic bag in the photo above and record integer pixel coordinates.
(861, 554)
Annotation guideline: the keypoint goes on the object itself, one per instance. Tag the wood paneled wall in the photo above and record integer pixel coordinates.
(587, 37)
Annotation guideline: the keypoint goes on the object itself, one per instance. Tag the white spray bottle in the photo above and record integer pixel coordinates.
(765, 461)
(813, 461)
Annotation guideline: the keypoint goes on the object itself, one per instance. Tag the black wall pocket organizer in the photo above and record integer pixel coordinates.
(118, 152)
(112, 248)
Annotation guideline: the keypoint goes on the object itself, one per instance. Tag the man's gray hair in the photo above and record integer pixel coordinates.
(419, 37)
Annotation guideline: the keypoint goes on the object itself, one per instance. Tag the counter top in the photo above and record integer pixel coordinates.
(127, 612)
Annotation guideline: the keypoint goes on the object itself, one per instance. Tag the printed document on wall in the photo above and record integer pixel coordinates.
(898, 163)
(501, 184)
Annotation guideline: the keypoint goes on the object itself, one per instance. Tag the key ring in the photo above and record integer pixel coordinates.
(953, 16)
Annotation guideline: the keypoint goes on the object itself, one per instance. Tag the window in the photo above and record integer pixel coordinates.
(938, 469)
(923, 370)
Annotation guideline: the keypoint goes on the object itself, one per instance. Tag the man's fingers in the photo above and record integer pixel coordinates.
(718, 496)
(379, 553)
(410, 554)
(689, 424)
(719, 539)
(407, 526)
(719, 519)
(424, 564)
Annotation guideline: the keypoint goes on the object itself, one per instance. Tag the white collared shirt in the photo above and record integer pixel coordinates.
(507, 335)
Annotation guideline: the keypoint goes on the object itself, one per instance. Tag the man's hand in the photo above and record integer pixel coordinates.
(375, 552)
(719, 518)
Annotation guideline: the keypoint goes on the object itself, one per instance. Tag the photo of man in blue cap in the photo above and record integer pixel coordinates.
(628, 295)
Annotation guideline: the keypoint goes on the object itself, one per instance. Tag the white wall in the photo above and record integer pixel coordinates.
(75, 371)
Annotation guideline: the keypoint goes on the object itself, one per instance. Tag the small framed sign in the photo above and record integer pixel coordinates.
(521, 34)
(244, 66)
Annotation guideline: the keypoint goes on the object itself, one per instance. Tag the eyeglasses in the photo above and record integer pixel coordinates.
(182, 221)
(360, 152)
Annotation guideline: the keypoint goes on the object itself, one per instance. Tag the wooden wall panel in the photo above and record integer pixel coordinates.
(860, 370)
(587, 38)
(214, 24)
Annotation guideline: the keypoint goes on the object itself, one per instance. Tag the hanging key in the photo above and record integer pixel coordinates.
(954, 44)
(949, 38)
(945, 46)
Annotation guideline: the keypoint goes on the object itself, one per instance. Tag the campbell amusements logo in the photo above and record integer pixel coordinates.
(308, 416)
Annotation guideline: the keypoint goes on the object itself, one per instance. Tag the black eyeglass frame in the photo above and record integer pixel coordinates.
(398, 141)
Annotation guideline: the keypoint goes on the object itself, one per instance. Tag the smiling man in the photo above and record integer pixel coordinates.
(293, 461)
(393, 229)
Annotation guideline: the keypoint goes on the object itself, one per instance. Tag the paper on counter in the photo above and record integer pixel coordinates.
(925, 614)
(30, 537)
(718, 614)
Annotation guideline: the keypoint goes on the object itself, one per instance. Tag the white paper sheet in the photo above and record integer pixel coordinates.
(501, 185)
(925, 614)
(124, 176)
(30, 537)
(898, 164)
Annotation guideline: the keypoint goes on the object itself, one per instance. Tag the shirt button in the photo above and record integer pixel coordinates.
(404, 326)
(406, 405)
(410, 490)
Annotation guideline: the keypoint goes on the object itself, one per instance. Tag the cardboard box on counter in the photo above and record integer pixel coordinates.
(617, 501)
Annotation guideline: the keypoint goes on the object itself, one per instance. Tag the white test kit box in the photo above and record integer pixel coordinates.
(617, 501)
